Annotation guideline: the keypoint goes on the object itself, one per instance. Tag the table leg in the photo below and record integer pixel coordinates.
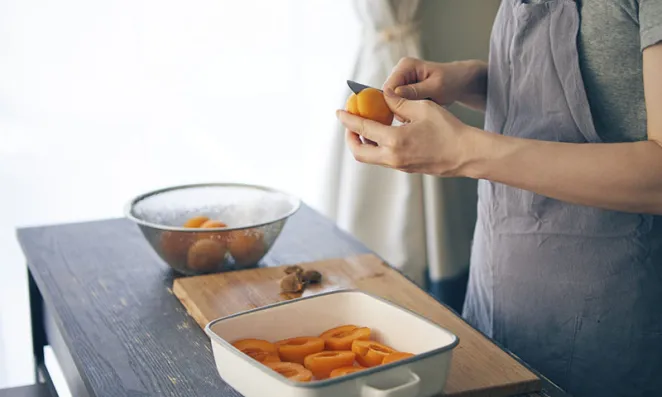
(38, 330)
(39, 339)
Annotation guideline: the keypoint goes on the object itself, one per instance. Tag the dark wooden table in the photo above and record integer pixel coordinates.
(102, 299)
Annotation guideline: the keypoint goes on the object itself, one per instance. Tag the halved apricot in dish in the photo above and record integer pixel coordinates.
(341, 338)
(322, 363)
(292, 371)
(258, 349)
(342, 371)
(370, 353)
(396, 357)
(296, 349)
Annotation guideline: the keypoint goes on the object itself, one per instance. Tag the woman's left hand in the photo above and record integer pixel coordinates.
(432, 140)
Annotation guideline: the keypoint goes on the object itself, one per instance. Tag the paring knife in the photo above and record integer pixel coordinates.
(358, 87)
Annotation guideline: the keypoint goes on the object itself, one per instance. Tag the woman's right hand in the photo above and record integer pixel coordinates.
(444, 83)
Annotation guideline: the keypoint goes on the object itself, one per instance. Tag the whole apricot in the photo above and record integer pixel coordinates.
(246, 246)
(218, 236)
(175, 245)
(210, 223)
(206, 255)
(196, 221)
(370, 104)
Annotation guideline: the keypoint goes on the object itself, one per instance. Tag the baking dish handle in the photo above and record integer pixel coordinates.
(408, 389)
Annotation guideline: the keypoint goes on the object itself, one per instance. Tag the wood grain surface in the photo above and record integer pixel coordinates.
(479, 369)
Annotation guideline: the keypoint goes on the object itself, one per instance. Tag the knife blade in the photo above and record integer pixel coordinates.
(358, 87)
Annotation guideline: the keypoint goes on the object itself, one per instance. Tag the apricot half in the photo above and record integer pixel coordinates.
(344, 371)
(393, 357)
(258, 349)
(322, 363)
(292, 371)
(370, 353)
(341, 338)
(296, 349)
(370, 104)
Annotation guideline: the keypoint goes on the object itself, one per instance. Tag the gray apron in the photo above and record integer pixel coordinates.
(574, 291)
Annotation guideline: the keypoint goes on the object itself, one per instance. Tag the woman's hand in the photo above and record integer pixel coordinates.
(444, 83)
(433, 141)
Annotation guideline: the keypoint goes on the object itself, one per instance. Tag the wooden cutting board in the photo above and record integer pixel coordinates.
(479, 367)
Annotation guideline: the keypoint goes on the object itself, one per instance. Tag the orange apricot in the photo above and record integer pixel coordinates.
(292, 371)
(221, 237)
(321, 364)
(341, 338)
(196, 221)
(258, 349)
(352, 105)
(246, 246)
(210, 223)
(296, 349)
(393, 357)
(206, 255)
(175, 245)
(370, 353)
(345, 371)
(370, 104)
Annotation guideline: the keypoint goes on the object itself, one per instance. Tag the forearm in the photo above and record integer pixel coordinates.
(621, 176)
(476, 94)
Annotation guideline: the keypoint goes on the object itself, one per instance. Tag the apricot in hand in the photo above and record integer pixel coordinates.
(370, 104)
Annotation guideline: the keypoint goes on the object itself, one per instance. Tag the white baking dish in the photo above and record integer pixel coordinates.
(422, 375)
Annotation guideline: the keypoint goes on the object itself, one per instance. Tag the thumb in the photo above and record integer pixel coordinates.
(420, 90)
(402, 107)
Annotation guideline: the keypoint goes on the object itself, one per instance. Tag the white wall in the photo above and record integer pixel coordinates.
(100, 101)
